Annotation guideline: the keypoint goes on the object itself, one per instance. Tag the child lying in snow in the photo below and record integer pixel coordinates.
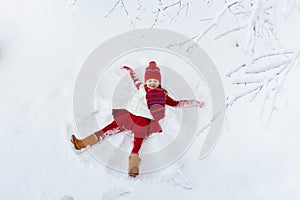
(141, 115)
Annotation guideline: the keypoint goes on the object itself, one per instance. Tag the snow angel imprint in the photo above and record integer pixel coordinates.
(141, 116)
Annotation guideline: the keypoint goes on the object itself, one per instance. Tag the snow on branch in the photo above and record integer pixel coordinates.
(249, 80)
(278, 87)
(216, 19)
(271, 84)
(256, 25)
(277, 53)
(231, 101)
(292, 62)
(257, 21)
(213, 23)
(266, 68)
(237, 28)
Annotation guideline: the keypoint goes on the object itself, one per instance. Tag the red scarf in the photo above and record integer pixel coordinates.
(156, 100)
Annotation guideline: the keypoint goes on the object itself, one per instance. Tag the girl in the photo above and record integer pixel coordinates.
(141, 116)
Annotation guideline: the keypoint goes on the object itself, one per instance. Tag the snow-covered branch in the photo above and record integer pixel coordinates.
(271, 54)
(266, 68)
(237, 28)
(213, 23)
(271, 84)
(243, 94)
(255, 27)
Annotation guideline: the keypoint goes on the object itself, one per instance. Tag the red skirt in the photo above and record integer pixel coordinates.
(140, 126)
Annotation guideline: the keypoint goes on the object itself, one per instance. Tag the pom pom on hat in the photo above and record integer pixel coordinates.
(152, 64)
(152, 72)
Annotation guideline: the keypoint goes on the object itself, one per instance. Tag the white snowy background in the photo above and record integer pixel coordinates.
(43, 45)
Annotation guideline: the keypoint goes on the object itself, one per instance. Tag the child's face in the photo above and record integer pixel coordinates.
(152, 83)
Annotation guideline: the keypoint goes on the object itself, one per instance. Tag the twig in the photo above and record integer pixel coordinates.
(237, 28)
(113, 8)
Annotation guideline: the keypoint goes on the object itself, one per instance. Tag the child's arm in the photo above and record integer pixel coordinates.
(183, 103)
(190, 103)
(136, 81)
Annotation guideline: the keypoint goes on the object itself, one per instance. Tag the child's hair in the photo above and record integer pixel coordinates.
(166, 92)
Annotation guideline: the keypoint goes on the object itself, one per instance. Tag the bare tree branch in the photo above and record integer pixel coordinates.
(113, 8)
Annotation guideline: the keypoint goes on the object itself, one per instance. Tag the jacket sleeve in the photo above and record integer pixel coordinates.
(171, 102)
(183, 103)
(136, 81)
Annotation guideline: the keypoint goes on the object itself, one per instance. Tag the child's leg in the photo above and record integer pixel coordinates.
(113, 126)
(134, 158)
(94, 137)
(140, 130)
(137, 143)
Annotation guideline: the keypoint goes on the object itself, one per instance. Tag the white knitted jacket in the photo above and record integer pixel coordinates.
(137, 104)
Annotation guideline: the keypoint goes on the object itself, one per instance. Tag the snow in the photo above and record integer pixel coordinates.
(43, 44)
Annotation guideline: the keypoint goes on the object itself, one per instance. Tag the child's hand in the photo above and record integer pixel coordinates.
(127, 68)
(200, 104)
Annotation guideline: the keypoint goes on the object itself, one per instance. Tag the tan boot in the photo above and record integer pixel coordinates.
(80, 144)
(133, 167)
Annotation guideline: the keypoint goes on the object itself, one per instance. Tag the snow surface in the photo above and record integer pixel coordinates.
(42, 47)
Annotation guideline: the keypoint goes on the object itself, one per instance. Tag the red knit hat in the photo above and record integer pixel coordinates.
(152, 72)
